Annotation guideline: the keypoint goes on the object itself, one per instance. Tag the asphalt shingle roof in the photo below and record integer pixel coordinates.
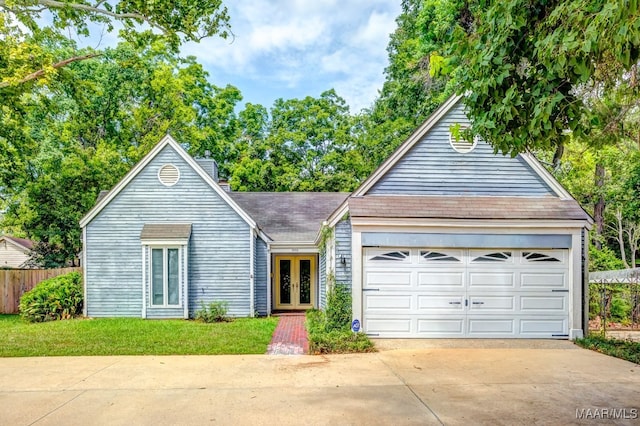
(154, 231)
(21, 241)
(466, 207)
(289, 216)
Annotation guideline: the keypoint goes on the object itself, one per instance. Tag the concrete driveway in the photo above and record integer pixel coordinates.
(414, 382)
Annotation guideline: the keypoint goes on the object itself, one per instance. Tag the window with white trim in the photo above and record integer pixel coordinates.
(165, 276)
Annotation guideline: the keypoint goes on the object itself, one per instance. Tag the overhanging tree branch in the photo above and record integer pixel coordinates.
(37, 74)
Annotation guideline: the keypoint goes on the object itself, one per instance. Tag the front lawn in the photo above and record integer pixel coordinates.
(624, 349)
(133, 336)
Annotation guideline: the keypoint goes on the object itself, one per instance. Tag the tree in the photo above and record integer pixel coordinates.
(25, 58)
(537, 72)
(87, 128)
(306, 145)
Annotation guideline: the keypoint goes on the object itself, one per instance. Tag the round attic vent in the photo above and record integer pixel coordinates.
(168, 175)
(460, 144)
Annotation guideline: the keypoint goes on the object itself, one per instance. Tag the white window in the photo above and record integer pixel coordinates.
(165, 276)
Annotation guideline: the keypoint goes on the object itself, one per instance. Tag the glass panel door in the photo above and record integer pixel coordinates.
(294, 282)
(305, 281)
(284, 280)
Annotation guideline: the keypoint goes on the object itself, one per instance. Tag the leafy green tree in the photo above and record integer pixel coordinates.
(536, 71)
(303, 145)
(23, 31)
(417, 79)
(87, 128)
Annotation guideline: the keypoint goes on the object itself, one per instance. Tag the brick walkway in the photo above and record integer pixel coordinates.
(290, 336)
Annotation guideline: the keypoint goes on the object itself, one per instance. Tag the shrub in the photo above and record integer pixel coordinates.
(330, 331)
(339, 341)
(338, 308)
(620, 309)
(214, 312)
(53, 299)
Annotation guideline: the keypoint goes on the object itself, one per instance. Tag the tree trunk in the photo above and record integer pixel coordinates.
(620, 236)
(598, 209)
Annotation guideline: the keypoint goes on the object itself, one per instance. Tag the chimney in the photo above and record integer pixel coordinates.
(225, 185)
(209, 165)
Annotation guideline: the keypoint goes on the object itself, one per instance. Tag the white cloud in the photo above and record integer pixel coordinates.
(297, 48)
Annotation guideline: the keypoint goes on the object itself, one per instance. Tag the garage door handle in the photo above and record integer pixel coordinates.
(478, 303)
(455, 303)
(556, 290)
(370, 289)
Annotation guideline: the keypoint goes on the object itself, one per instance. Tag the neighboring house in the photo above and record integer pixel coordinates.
(14, 252)
(444, 239)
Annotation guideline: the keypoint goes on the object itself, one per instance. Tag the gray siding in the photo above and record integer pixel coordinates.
(343, 248)
(218, 250)
(322, 296)
(260, 280)
(432, 167)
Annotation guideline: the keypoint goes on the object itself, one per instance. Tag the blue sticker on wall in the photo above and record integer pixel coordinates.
(355, 326)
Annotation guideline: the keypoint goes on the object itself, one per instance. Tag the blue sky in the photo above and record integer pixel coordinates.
(296, 48)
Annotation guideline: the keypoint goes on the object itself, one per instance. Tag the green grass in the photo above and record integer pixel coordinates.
(624, 349)
(132, 336)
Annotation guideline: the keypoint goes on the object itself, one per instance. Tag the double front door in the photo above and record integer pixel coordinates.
(295, 279)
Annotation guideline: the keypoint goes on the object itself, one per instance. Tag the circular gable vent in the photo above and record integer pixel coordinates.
(459, 143)
(168, 175)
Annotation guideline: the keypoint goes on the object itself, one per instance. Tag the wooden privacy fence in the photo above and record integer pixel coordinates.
(15, 282)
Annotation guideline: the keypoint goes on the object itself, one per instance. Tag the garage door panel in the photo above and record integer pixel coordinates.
(440, 327)
(480, 293)
(388, 279)
(377, 302)
(440, 303)
(441, 280)
(542, 280)
(535, 327)
(491, 326)
(491, 304)
(388, 326)
(492, 280)
(543, 303)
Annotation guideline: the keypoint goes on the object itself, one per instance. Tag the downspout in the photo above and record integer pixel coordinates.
(252, 257)
(144, 281)
(185, 250)
(269, 281)
(84, 270)
(585, 282)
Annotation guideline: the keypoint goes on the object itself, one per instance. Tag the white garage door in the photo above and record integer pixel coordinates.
(466, 293)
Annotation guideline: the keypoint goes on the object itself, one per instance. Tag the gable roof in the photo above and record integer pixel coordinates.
(289, 216)
(416, 137)
(422, 131)
(21, 243)
(166, 141)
